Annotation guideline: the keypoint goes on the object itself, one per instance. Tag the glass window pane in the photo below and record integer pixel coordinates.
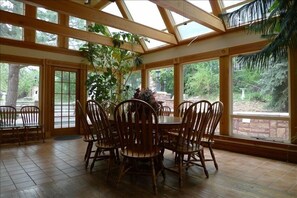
(13, 6)
(161, 81)
(132, 82)
(152, 43)
(47, 15)
(192, 29)
(75, 44)
(46, 38)
(72, 88)
(204, 5)
(66, 77)
(260, 91)
(113, 9)
(11, 32)
(201, 81)
(145, 16)
(77, 23)
(19, 85)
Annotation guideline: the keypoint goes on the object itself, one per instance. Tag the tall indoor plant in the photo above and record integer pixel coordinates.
(112, 66)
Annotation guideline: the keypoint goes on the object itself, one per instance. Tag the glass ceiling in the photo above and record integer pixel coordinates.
(147, 13)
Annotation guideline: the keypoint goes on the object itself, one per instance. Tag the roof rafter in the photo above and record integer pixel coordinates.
(27, 22)
(198, 15)
(103, 18)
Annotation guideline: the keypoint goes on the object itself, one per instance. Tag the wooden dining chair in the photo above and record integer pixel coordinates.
(141, 141)
(208, 137)
(107, 139)
(165, 111)
(8, 129)
(182, 107)
(88, 135)
(32, 124)
(187, 144)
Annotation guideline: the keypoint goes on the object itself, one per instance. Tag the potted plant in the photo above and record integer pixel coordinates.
(112, 66)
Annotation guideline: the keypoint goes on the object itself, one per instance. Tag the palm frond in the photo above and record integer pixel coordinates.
(275, 20)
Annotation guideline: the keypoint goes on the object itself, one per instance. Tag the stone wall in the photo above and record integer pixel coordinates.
(262, 129)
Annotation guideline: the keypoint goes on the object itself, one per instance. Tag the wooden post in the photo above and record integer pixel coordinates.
(293, 94)
(225, 93)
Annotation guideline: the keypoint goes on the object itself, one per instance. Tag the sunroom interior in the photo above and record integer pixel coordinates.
(181, 41)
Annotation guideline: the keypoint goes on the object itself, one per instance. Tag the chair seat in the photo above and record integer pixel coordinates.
(131, 153)
(182, 149)
(105, 145)
(206, 140)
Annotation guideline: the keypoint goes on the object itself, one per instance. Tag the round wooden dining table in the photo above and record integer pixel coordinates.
(169, 122)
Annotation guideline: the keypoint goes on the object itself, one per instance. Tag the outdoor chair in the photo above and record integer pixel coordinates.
(8, 128)
(32, 125)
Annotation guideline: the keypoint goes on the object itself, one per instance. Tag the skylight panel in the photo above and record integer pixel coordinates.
(152, 43)
(228, 3)
(192, 29)
(146, 13)
(178, 19)
(204, 5)
(113, 9)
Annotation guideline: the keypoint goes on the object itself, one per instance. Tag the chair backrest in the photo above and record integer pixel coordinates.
(88, 133)
(100, 122)
(137, 125)
(30, 115)
(165, 111)
(182, 107)
(217, 111)
(108, 106)
(7, 116)
(194, 124)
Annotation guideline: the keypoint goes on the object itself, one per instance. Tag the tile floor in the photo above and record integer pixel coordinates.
(41, 169)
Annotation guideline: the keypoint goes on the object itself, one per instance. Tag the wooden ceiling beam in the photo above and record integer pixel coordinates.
(216, 7)
(32, 23)
(198, 15)
(168, 21)
(103, 18)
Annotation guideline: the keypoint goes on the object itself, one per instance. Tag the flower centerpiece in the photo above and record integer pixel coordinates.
(148, 96)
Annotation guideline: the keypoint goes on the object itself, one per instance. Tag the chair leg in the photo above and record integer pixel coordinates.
(201, 156)
(88, 153)
(154, 176)
(180, 168)
(213, 157)
(122, 170)
(94, 159)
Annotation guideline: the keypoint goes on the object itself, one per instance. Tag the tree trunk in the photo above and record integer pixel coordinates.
(13, 82)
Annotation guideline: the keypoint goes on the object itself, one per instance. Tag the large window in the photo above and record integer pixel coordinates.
(201, 81)
(19, 85)
(260, 101)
